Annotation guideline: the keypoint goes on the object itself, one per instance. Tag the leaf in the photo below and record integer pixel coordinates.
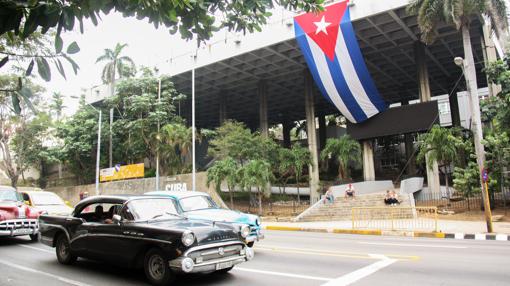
(15, 103)
(75, 66)
(30, 68)
(73, 48)
(27, 94)
(58, 44)
(43, 68)
(4, 61)
(60, 68)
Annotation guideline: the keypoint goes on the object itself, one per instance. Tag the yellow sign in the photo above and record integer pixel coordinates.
(122, 172)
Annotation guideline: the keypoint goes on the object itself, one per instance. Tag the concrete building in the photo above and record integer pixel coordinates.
(262, 80)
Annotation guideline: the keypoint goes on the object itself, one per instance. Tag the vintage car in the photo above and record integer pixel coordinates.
(16, 218)
(145, 232)
(199, 205)
(46, 202)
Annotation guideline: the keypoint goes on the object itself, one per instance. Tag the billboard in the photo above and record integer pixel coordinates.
(122, 172)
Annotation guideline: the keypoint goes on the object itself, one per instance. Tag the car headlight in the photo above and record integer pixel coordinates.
(245, 231)
(188, 238)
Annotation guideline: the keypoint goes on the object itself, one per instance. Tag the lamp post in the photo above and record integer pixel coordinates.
(158, 138)
(476, 127)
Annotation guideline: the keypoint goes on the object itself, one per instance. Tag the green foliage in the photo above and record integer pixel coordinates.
(345, 150)
(467, 180)
(57, 105)
(459, 12)
(256, 173)
(440, 144)
(225, 170)
(176, 147)
(234, 140)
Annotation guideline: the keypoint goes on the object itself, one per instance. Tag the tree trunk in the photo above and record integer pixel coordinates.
(472, 87)
(260, 201)
(231, 198)
(298, 196)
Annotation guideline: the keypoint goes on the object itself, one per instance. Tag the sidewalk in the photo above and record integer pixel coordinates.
(447, 229)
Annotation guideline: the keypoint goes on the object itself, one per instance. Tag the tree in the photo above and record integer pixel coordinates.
(256, 173)
(225, 170)
(115, 64)
(57, 105)
(440, 145)
(285, 166)
(177, 144)
(345, 150)
(234, 140)
(466, 180)
(300, 157)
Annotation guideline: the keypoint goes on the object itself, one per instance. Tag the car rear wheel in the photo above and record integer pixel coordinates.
(63, 250)
(34, 237)
(156, 268)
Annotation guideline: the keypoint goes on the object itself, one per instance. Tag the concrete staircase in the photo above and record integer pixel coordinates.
(342, 208)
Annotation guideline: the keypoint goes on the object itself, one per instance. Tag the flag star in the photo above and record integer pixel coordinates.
(321, 26)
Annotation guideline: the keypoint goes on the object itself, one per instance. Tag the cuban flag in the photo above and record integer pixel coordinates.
(334, 58)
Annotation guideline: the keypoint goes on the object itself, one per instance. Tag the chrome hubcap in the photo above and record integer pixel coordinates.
(156, 267)
(63, 249)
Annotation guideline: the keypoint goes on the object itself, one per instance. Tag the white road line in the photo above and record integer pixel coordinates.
(359, 274)
(37, 248)
(63, 279)
(283, 274)
(413, 245)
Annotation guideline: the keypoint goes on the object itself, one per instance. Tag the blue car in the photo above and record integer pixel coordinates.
(199, 205)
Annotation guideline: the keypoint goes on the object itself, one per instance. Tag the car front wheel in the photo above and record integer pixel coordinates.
(63, 250)
(157, 269)
(34, 237)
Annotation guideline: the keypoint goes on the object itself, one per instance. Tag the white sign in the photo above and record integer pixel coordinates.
(108, 172)
(181, 187)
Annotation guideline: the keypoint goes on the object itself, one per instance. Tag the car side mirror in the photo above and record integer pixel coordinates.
(116, 219)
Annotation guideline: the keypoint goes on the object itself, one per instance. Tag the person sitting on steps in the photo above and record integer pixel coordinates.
(391, 198)
(329, 197)
(349, 191)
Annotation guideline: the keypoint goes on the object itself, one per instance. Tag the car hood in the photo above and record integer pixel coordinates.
(205, 231)
(16, 210)
(62, 210)
(222, 215)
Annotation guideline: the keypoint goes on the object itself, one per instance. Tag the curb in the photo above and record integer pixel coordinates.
(475, 236)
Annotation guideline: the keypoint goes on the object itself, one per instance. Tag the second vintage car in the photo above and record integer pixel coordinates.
(145, 232)
(46, 202)
(16, 218)
(199, 205)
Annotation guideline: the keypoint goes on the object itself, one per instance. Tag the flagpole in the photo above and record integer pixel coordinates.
(193, 175)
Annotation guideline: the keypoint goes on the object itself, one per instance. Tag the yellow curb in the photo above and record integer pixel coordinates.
(288, 228)
(357, 231)
(429, 234)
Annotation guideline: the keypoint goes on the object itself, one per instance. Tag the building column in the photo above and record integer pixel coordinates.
(409, 148)
(425, 96)
(287, 127)
(313, 168)
(454, 109)
(223, 107)
(263, 121)
(368, 161)
(322, 132)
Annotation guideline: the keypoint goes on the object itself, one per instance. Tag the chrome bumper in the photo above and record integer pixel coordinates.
(185, 264)
(18, 227)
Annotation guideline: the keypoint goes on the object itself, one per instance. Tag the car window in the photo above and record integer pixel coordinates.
(8, 195)
(197, 203)
(44, 199)
(145, 209)
(99, 212)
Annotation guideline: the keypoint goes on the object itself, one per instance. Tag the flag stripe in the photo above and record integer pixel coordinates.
(316, 68)
(359, 63)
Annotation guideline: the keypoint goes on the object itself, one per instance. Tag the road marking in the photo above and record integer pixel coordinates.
(63, 279)
(359, 274)
(283, 274)
(413, 245)
(330, 253)
(37, 248)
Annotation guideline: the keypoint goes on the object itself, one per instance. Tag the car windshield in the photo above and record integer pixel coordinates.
(197, 203)
(146, 209)
(45, 199)
(9, 195)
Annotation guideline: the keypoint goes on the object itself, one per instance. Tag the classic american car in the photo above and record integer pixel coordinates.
(16, 218)
(199, 205)
(46, 202)
(145, 232)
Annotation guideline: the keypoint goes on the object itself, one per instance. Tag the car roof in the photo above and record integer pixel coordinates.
(7, 188)
(115, 199)
(177, 194)
(38, 192)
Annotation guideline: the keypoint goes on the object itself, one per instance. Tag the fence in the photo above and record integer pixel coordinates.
(458, 203)
(395, 218)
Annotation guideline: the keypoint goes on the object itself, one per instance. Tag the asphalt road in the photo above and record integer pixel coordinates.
(292, 258)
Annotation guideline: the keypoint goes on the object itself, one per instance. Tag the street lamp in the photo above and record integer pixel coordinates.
(476, 123)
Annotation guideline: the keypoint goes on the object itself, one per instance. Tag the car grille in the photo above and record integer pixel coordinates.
(221, 236)
(216, 252)
(19, 224)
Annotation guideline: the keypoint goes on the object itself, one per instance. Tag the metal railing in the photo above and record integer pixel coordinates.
(395, 218)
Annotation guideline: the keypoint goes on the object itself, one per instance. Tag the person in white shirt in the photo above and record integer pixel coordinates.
(349, 191)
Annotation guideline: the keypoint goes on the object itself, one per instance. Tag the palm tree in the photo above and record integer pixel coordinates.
(344, 150)
(257, 173)
(224, 170)
(179, 138)
(441, 146)
(123, 65)
(300, 157)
